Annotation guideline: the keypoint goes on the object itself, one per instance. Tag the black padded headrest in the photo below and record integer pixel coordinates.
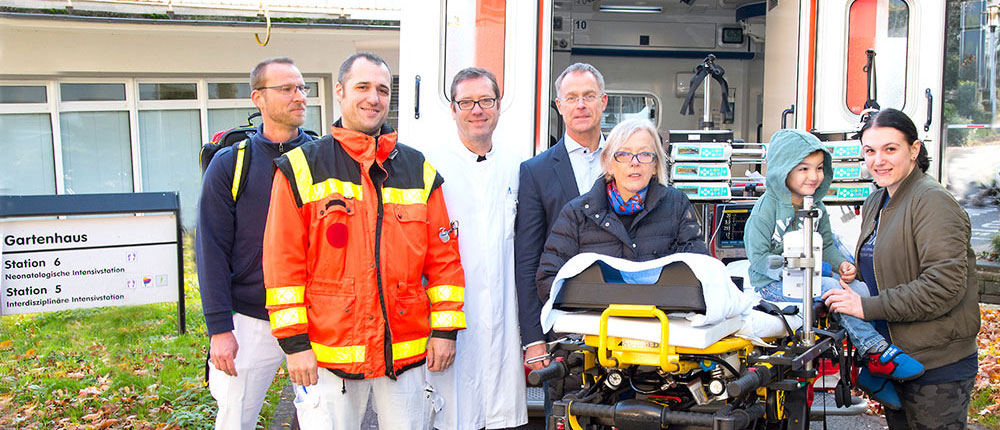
(676, 290)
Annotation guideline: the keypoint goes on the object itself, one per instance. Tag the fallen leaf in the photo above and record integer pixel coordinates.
(106, 423)
(91, 417)
(5, 345)
(84, 392)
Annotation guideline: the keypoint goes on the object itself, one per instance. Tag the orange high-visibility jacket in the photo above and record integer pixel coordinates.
(355, 223)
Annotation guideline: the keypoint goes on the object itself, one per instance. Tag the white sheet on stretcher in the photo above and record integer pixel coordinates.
(729, 311)
(722, 299)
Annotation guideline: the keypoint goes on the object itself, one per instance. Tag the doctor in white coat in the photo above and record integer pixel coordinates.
(484, 388)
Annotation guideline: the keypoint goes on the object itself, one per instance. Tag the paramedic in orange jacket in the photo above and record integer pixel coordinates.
(357, 222)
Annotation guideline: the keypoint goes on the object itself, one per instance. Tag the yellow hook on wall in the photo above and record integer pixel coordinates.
(267, 18)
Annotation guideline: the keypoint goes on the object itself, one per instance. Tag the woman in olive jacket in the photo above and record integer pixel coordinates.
(915, 257)
(629, 213)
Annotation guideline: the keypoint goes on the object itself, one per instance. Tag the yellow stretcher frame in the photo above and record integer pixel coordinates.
(612, 352)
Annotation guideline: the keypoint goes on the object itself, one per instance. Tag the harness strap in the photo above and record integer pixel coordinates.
(238, 170)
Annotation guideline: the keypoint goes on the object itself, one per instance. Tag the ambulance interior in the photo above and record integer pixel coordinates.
(782, 69)
(648, 52)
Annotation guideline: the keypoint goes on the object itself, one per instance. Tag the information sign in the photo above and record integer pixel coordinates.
(57, 264)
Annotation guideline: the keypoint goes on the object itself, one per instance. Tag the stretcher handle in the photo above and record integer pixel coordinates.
(555, 369)
(755, 377)
(592, 410)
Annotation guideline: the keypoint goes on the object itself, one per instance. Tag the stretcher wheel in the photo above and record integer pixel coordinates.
(774, 406)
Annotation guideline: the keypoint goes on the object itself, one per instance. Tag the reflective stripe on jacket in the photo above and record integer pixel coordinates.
(355, 223)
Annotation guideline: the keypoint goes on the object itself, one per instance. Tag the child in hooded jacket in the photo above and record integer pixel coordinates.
(799, 165)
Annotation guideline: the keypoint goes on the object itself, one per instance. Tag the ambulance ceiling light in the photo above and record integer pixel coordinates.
(631, 9)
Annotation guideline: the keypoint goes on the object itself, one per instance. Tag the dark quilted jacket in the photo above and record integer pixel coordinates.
(666, 225)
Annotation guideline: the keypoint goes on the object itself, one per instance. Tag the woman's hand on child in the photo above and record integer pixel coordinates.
(844, 300)
(848, 272)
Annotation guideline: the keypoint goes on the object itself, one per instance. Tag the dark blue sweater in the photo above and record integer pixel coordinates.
(230, 235)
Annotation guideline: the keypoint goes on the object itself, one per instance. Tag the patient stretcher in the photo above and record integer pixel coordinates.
(673, 343)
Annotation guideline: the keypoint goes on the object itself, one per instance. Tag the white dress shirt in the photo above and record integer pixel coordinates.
(586, 163)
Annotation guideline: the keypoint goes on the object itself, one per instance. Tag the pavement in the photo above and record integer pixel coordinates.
(985, 224)
(963, 170)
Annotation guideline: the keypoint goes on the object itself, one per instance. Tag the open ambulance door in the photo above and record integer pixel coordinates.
(440, 38)
(821, 47)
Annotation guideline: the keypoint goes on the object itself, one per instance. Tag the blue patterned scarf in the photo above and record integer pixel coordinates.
(621, 207)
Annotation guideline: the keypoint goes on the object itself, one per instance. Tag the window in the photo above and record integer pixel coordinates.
(483, 23)
(96, 138)
(28, 164)
(22, 94)
(92, 92)
(170, 141)
(882, 26)
(228, 90)
(181, 91)
(628, 106)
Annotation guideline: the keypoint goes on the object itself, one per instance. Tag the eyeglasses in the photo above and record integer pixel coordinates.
(589, 98)
(288, 90)
(486, 103)
(642, 157)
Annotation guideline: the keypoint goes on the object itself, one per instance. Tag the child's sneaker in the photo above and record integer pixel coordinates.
(895, 364)
(881, 390)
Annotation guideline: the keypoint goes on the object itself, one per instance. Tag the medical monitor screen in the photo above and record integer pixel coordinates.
(732, 224)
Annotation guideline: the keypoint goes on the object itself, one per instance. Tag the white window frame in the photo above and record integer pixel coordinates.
(191, 104)
(128, 106)
(48, 107)
(639, 93)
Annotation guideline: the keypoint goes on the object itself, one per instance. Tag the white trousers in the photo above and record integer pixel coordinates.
(339, 404)
(240, 397)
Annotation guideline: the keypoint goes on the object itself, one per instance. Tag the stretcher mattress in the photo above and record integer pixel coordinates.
(682, 332)
(754, 326)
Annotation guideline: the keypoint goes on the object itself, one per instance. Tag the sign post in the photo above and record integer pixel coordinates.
(51, 264)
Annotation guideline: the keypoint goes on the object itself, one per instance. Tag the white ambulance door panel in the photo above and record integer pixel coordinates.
(440, 38)
(782, 68)
(908, 39)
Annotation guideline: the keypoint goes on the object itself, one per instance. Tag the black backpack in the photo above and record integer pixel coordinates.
(239, 137)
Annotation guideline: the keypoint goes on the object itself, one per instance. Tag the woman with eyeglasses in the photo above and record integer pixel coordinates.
(629, 213)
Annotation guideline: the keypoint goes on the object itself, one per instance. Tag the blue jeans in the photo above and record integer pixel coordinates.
(862, 333)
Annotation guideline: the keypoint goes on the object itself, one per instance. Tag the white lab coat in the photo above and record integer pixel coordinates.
(485, 386)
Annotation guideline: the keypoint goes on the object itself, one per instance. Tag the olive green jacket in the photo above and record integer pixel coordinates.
(925, 270)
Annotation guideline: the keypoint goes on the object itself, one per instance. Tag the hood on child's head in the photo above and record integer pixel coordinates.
(788, 147)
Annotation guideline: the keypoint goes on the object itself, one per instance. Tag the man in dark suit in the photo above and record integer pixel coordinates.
(547, 182)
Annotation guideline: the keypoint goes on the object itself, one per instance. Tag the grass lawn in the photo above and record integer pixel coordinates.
(116, 367)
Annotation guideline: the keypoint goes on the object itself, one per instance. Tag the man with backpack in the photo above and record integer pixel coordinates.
(244, 356)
